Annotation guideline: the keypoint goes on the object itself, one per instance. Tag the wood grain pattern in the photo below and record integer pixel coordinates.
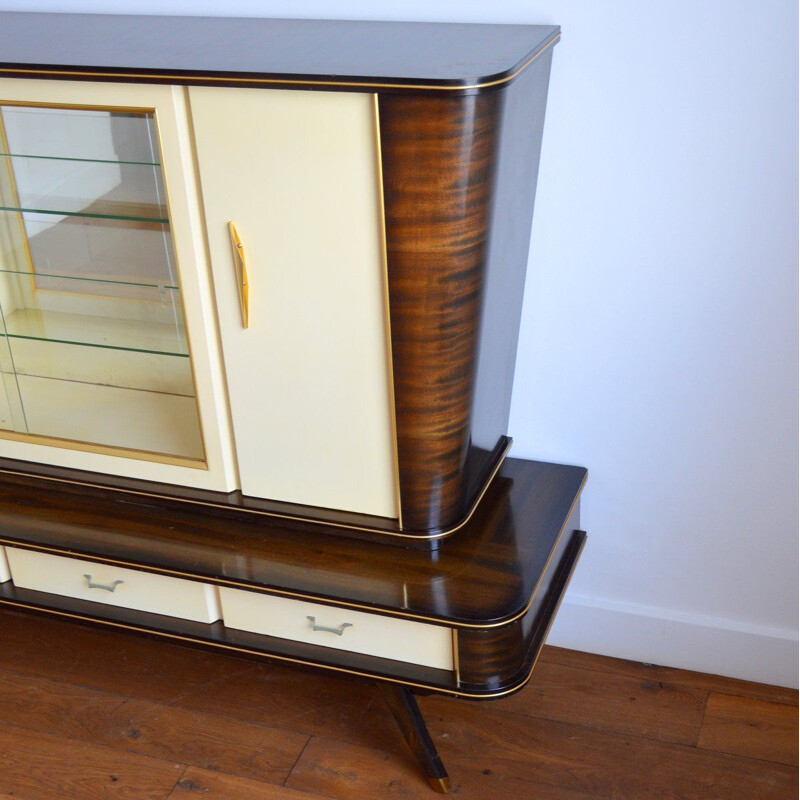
(346, 772)
(202, 784)
(571, 735)
(754, 728)
(485, 574)
(459, 178)
(597, 762)
(653, 673)
(38, 766)
(438, 174)
(50, 648)
(138, 726)
(489, 663)
(504, 656)
(669, 712)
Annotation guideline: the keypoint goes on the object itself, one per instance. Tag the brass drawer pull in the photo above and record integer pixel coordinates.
(110, 588)
(338, 631)
(240, 265)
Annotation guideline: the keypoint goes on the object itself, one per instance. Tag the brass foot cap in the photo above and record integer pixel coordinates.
(440, 784)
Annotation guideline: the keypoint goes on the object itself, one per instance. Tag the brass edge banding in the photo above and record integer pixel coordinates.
(456, 665)
(40, 440)
(387, 305)
(288, 593)
(277, 515)
(281, 81)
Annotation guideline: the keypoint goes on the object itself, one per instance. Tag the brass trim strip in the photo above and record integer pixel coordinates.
(276, 514)
(102, 449)
(388, 612)
(456, 664)
(280, 81)
(78, 106)
(387, 305)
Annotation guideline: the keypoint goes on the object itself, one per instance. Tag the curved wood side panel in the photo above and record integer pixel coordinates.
(438, 174)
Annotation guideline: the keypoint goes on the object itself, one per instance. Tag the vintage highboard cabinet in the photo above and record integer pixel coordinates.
(260, 292)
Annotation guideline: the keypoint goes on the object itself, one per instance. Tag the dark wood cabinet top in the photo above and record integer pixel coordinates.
(484, 574)
(417, 54)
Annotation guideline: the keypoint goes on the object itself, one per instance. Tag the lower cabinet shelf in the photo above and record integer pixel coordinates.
(467, 620)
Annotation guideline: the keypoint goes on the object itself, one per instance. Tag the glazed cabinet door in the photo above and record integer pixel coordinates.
(291, 187)
(106, 362)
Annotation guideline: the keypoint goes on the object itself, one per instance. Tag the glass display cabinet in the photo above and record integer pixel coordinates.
(260, 291)
(94, 349)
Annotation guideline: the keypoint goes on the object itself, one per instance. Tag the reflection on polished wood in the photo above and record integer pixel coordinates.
(485, 574)
(499, 581)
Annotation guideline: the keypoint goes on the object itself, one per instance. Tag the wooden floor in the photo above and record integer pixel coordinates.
(87, 714)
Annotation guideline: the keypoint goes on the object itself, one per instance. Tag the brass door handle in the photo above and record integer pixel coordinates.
(110, 588)
(240, 265)
(338, 631)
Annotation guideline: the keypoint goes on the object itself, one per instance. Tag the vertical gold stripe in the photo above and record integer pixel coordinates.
(387, 307)
(456, 665)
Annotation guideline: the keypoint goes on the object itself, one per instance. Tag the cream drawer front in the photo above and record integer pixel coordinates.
(113, 586)
(371, 634)
(5, 573)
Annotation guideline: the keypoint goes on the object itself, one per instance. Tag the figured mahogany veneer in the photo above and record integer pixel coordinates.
(438, 161)
(459, 177)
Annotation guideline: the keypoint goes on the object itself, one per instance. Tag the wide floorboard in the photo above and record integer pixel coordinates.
(88, 713)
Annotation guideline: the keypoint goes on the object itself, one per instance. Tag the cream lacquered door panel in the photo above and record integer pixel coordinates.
(109, 357)
(309, 379)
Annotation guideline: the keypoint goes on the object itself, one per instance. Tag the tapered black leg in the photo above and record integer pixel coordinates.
(404, 707)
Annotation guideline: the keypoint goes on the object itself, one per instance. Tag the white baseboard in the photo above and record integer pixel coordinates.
(675, 639)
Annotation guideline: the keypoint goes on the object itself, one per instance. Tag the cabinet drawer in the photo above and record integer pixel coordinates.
(340, 628)
(114, 586)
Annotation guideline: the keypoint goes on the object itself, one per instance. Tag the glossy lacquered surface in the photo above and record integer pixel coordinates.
(308, 378)
(485, 574)
(339, 51)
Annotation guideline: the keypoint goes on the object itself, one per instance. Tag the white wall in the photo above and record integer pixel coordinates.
(658, 343)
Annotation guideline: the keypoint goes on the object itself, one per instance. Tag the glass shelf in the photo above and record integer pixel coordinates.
(38, 275)
(83, 330)
(90, 188)
(104, 249)
(93, 348)
(85, 160)
(84, 134)
(88, 215)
